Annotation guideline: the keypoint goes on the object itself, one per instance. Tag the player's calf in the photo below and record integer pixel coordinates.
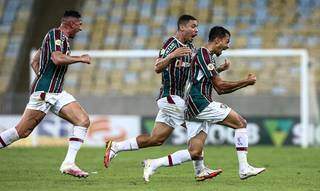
(195, 154)
(146, 140)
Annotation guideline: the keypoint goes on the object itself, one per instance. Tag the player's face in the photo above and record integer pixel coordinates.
(223, 44)
(190, 30)
(75, 27)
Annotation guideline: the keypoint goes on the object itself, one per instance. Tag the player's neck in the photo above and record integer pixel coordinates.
(180, 37)
(64, 30)
(211, 47)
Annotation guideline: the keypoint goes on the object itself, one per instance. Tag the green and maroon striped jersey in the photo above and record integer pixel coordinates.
(50, 78)
(175, 76)
(202, 71)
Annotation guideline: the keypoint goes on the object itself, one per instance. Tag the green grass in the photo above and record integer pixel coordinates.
(288, 168)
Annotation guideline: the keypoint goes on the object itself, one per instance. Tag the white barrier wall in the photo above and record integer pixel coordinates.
(54, 131)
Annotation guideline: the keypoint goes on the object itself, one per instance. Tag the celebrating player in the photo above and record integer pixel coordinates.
(173, 63)
(50, 63)
(203, 112)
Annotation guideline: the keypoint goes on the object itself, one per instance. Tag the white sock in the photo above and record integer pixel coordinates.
(241, 143)
(198, 165)
(127, 145)
(8, 136)
(173, 159)
(75, 142)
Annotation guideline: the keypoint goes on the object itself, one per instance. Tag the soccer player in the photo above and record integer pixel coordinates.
(50, 63)
(203, 112)
(173, 63)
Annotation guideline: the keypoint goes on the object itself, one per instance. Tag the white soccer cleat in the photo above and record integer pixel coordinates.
(250, 171)
(207, 173)
(109, 154)
(147, 170)
(73, 170)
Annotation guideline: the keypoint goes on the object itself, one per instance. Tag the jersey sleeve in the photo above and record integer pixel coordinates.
(55, 40)
(206, 65)
(169, 46)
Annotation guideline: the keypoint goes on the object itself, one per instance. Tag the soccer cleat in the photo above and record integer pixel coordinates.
(250, 171)
(147, 170)
(207, 173)
(73, 170)
(109, 154)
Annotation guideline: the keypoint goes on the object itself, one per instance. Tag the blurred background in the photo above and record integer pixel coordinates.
(120, 93)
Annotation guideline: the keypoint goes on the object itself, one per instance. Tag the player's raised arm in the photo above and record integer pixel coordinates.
(59, 58)
(163, 62)
(35, 61)
(225, 87)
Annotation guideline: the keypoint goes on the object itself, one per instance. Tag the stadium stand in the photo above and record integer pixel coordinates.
(144, 24)
(14, 15)
(253, 24)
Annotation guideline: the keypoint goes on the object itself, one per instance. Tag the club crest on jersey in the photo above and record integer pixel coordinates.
(58, 42)
(210, 66)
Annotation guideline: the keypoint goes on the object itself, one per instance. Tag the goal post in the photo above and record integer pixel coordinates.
(304, 79)
(302, 54)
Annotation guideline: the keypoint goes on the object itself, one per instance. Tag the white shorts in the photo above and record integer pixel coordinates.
(49, 101)
(171, 111)
(215, 112)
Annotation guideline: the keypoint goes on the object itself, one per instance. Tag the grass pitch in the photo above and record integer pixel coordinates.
(288, 168)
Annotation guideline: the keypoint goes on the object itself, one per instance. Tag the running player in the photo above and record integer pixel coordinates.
(203, 112)
(173, 63)
(50, 63)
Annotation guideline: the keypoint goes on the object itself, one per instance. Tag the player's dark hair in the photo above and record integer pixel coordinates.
(184, 19)
(71, 13)
(218, 32)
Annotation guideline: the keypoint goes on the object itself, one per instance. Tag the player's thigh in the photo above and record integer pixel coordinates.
(29, 120)
(234, 120)
(161, 131)
(75, 114)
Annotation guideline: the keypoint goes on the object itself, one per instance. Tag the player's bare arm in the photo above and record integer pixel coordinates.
(225, 87)
(35, 61)
(62, 59)
(162, 63)
(224, 66)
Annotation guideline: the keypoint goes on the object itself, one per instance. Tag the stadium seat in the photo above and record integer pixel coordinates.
(123, 24)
